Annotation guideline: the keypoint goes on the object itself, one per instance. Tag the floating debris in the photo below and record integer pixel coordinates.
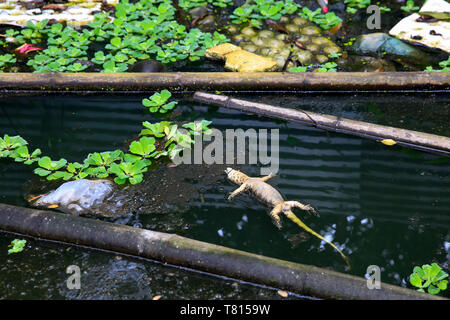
(78, 197)
(74, 13)
(431, 34)
(25, 48)
(439, 9)
(388, 142)
(240, 60)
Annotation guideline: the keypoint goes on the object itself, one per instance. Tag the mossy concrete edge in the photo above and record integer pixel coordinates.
(261, 81)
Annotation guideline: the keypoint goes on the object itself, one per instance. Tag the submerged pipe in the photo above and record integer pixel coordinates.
(11, 83)
(181, 251)
(408, 138)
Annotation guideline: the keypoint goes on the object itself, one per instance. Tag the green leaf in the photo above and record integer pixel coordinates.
(435, 269)
(442, 285)
(41, 172)
(165, 95)
(415, 280)
(420, 272)
(17, 246)
(433, 290)
(45, 162)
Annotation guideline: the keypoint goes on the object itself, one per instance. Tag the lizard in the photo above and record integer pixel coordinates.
(270, 196)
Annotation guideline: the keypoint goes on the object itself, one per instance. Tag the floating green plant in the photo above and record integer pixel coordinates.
(327, 67)
(157, 140)
(190, 4)
(158, 102)
(430, 278)
(254, 12)
(17, 246)
(137, 31)
(409, 7)
(445, 66)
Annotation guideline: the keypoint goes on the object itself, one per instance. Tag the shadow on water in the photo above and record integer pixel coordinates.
(384, 206)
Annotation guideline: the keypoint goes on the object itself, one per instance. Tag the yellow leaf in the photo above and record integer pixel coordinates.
(282, 293)
(156, 298)
(52, 206)
(166, 130)
(388, 142)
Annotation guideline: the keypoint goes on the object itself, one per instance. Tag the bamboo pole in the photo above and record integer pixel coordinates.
(408, 138)
(137, 82)
(181, 251)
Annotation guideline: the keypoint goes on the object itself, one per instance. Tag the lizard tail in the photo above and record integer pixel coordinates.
(300, 223)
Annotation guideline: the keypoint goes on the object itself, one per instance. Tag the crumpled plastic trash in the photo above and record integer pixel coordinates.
(78, 197)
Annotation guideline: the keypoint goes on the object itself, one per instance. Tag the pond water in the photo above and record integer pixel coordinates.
(385, 206)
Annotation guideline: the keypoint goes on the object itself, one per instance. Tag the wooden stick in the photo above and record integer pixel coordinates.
(408, 138)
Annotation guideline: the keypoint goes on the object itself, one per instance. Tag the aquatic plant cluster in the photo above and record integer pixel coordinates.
(255, 12)
(430, 277)
(162, 139)
(145, 29)
(138, 31)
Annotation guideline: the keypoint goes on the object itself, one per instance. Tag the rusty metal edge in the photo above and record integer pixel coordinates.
(263, 81)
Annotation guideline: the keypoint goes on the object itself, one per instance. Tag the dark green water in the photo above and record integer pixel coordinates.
(384, 206)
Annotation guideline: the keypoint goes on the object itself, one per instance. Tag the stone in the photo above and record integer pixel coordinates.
(147, 66)
(439, 9)
(198, 12)
(219, 52)
(365, 64)
(244, 61)
(384, 46)
(431, 34)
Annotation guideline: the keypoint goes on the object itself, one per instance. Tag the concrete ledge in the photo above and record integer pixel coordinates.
(11, 83)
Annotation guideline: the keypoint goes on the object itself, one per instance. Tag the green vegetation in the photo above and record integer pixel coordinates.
(141, 30)
(17, 246)
(6, 60)
(190, 4)
(254, 12)
(325, 21)
(354, 5)
(327, 67)
(445, 66)
(157, 102)
(410, 7)
(430, 278)
(162, 139)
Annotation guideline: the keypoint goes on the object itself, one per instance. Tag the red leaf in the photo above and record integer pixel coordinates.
(25, 48)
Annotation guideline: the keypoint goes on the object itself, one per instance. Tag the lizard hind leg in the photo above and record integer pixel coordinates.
(264, 179)
(306, 207)
(275, 215)
(300, 223)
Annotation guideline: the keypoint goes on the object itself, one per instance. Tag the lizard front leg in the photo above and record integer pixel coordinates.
(242, 188)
